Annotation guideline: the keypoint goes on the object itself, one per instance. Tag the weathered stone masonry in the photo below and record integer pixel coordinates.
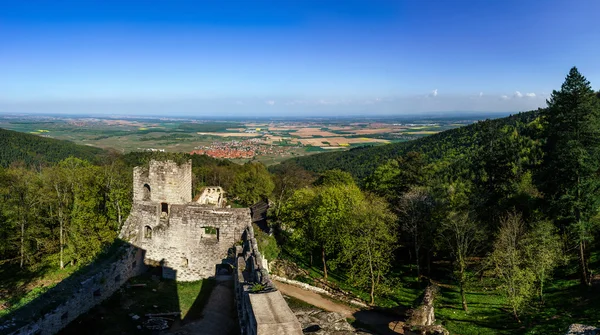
(188, 238)
(75, 295)
(191, 241)
(167, 182)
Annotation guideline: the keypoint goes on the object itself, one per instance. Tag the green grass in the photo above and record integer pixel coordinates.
(403, 290)
(19, 287)
(487, 312)
(566, 301)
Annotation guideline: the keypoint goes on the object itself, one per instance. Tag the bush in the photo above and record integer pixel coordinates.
(267, 245)
(257, 288)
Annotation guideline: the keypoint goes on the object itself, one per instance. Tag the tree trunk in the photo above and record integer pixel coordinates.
(22, 243)
(62, 263)
(584, 274)
(542, 290)
(417, 256)
(324, 263)
(280, 200)
(428, 262)
(462, 288)
(515, 315)
(372, 278)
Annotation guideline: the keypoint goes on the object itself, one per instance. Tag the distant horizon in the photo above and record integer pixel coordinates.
(423, 115)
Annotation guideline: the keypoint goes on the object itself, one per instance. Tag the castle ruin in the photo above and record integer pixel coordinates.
(189, 239)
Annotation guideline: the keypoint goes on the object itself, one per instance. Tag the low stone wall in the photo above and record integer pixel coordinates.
(259, 313)
(76, 295)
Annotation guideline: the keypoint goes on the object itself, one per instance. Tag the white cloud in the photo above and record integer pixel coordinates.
(504, 97)
(480, 94)
(434, 93)
(530, 95)
(518, 94)
(270, 102)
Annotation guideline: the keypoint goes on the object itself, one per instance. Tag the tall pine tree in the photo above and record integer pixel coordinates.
(571, 163)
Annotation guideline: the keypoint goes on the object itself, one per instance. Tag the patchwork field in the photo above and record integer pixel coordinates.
(339, 141)
(269, 141)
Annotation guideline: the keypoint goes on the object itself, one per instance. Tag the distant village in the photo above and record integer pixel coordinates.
(239, 149)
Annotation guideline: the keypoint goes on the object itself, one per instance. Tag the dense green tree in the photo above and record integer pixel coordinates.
(411, 172)
(118, 187)
(252, 184)
(288, 179)
(415, 209)
(294, 218)
(569, 174)
(542, 250)
(510, 263)
(460, 234)
(503, 162)
(21, 204)
(383, 180)
(318, 217)
(330, 213)
(335, 177)
(368, 242)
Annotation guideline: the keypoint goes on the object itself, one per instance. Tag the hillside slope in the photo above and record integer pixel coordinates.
(33, 149)
(361, 162)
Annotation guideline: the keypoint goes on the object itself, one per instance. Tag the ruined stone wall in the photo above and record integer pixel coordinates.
(168, 182)
(75, 295)
(260, 313)
(212, 195)
(191, 241)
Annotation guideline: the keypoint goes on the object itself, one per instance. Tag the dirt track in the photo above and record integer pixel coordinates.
(384, 323)
(316, 300)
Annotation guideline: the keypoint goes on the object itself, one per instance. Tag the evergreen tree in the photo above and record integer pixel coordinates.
(568, 177)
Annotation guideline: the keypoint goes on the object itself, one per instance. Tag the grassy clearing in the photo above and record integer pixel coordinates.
(566, 301)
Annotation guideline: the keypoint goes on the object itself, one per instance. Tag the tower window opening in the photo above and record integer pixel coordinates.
(147, 192)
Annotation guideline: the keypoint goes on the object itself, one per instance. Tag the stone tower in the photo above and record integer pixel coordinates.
(165, 182)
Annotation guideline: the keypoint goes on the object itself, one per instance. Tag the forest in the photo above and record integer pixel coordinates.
(35, 150)
(503, 214)
(509, 203)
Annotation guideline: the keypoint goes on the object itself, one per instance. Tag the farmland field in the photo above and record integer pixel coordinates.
(268, 141)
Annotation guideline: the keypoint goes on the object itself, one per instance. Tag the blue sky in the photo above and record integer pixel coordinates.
(287, 57)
